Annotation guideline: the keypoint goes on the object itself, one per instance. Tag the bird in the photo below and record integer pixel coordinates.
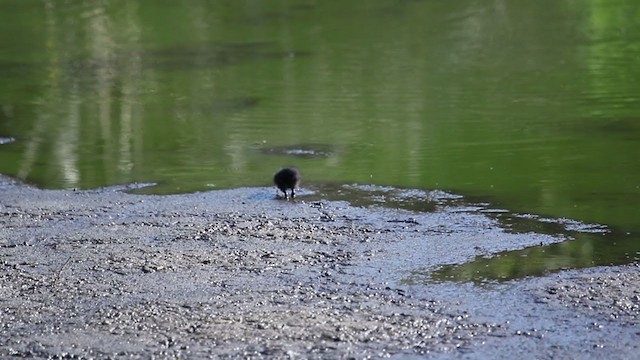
(287, 178)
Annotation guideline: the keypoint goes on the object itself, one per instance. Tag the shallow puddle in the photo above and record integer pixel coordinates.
(576, 244)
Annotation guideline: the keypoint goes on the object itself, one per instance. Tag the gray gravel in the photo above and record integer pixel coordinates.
(612, 294)
(236, 273)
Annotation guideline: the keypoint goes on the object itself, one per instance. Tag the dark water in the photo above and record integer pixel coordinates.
(532, 106)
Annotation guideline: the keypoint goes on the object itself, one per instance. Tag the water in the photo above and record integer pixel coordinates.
(532, 106)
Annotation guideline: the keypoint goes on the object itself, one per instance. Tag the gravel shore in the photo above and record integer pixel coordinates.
(239, 274)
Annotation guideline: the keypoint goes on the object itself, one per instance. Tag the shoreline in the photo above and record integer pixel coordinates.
(235, 273)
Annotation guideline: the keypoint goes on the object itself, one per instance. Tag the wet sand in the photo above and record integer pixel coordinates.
(236, 273)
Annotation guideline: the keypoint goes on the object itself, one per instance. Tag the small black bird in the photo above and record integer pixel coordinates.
(287, 178)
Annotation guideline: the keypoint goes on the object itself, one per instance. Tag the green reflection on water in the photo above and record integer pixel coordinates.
(533, 104)
(584, 250)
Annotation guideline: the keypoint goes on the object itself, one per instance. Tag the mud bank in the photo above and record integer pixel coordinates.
(235, 273)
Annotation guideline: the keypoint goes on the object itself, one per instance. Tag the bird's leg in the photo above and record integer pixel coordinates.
(293, 194)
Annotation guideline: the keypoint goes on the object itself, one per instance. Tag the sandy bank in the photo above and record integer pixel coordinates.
(236, 273)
